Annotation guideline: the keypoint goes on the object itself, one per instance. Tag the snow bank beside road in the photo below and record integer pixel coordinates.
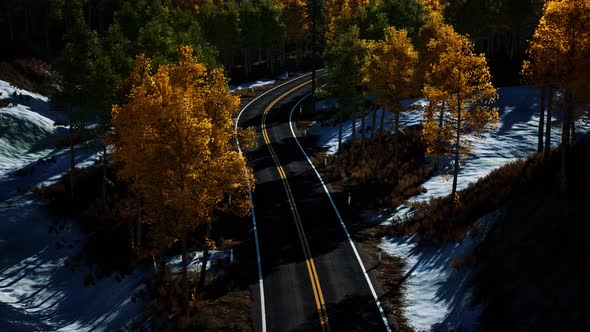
(515, 137)
(251, 85)
(327, 135)
(437, 296)
(37, 291)
(25, 126)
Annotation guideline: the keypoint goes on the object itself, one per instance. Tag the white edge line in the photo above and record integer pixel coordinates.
(255, 229)
(377, 302)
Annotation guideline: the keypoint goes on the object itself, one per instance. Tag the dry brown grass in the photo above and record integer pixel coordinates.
(369, 173)
(439, 223)
(436, 222)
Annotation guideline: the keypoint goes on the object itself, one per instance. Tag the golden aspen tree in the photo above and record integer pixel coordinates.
(461, 79)
(174, 140)
(296, 19)
(345, 59)
(390, 73)
(560, 53)
(434, 28)
(534, 75)
(433, 4)
(342, 9)
(339, 18)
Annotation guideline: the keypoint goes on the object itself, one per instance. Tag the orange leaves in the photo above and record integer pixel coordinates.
(458, 86)
(174, 140)
(296, 18)
(390, 71)
(560, 49)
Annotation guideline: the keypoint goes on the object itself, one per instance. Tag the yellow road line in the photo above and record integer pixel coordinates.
(282, 173)
(315, 282)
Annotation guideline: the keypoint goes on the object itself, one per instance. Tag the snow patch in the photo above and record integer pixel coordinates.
(251, 85)
(195, 260)
(37, 291)
(327, 135)
(437, 295)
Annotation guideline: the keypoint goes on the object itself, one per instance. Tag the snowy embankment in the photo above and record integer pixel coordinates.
(327, 135)
(195, 261)
(251, 85)
(37, 291)
(437, 295)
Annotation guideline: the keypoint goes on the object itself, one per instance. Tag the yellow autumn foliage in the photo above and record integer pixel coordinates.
(559, 52)
(459, 79)
(174, 139)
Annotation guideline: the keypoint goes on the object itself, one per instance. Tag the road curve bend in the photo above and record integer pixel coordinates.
(312, 277)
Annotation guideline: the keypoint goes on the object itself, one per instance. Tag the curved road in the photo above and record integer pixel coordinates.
(312, 276)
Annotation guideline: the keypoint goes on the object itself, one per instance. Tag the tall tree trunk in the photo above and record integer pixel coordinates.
(382, 122)
(441, 119)
(162, 257)
(541, 120)
(548, 129)
(572, 126)
(139, 231)
(204, 268)
(374, 121)
(298, 53)
(131, 233)
(283, 53)
(205, 260)
(396, 137)
(246, 71)
(104, 177)
(363, 130)
(72, 160)
(184, 266)
(566, 130)
(340, 136)
(272, 61)
(456, 165)
(268, 60)
(353, 118)
(565, 140)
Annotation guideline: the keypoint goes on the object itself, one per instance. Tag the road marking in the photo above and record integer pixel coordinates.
(315, 282)
(255, 228)
(282, 173)
(367, 278)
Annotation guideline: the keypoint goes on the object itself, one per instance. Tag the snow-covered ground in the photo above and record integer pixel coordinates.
(251, 85)
(437, 296)
(196, 258)
(327, 135)
(37, 291)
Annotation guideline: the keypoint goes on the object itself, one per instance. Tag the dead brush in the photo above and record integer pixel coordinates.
(369, 170)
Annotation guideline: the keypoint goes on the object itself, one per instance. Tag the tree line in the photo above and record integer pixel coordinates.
(433, 60)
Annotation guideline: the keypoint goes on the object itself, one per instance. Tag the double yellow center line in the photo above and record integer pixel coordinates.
(313, 275)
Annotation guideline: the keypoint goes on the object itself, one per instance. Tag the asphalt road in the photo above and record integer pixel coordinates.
(312, 278)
